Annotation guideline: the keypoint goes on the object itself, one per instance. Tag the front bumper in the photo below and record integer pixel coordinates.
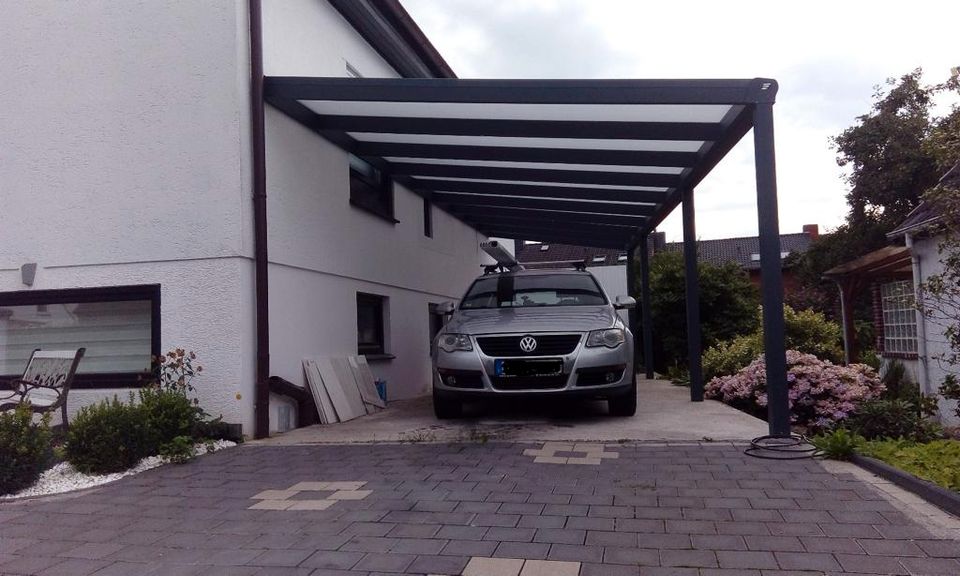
(596, 372)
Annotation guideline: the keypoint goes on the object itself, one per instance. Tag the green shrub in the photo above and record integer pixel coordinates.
(937, 461)
(950, 389)
(25, 449)
(805, 331)
(879, 418)
(179, 450)
(838, 445)
(110, 436)
(168, 414)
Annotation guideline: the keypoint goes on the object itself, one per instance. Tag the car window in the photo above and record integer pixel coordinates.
(507, 291)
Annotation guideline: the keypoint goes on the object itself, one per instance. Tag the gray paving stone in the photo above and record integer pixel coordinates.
(575, 553)
(525, 550)
(806, 561)
(632, 556)
(689, 558)
(393, 563)
(332, 559)
(931, 566)
(740, 559)
(438, 564)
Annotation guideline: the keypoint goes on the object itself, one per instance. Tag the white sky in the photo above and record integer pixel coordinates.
(826, 56)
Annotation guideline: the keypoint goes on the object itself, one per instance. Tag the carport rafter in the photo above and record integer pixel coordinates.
(584, 206)
(526, 215)
(541, 191)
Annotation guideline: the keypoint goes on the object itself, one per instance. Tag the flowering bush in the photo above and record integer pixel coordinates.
(822, 394)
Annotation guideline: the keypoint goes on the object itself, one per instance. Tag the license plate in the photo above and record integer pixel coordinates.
(540, 367)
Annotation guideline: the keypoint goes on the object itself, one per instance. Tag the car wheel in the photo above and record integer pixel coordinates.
(624, 404)
(445, 407)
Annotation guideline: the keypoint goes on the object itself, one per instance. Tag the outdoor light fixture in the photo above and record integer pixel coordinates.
(28, 272)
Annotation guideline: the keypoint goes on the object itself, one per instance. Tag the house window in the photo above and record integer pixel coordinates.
(370, 323)
(119, 327)
(427, 218)
(899, 317)
(370, 188)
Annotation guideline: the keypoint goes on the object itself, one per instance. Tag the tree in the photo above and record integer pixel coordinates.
(728, 306)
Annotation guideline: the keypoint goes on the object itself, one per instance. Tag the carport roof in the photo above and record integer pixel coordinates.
(590, 162)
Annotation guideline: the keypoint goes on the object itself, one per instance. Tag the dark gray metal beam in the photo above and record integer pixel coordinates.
(645, 307)
(543, 203)
(771, 274)
(547, 226)
(682, 131)
(632, 313)
(558, 237)
(540, 191)
(525, 215)
(692, 279)
(744, 91)
(537, 175)
(518, 154)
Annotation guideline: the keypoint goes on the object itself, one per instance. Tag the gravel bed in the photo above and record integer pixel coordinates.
(64, 478)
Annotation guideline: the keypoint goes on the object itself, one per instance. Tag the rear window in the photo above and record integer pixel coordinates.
(507, 291)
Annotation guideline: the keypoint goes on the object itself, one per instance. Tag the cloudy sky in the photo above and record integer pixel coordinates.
(826, 56)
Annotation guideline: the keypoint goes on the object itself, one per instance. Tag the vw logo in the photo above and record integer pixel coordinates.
(528, 344)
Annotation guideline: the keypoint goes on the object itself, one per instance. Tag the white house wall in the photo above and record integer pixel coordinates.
(322, 250)
(125, 160)
(937, 346)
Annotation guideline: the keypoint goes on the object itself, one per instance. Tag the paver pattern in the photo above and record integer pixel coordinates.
(656, 510)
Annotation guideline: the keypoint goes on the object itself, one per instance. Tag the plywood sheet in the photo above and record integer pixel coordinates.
(340, 395)
(341, 367)
(320, 395)
(365, 379)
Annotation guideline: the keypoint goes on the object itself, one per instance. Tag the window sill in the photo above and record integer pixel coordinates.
(382, 214)
(900, 355)
(379, 357)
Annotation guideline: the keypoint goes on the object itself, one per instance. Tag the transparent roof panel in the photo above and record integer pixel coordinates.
(538, 183)
(542, 165)
(468, 195)
(709, 113)
(516, 142)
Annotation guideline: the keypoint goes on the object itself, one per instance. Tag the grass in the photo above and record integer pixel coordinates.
(937, 461)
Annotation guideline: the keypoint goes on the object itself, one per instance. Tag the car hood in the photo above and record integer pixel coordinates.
(532, 319)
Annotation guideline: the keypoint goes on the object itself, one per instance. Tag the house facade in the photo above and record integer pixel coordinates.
(128, 220)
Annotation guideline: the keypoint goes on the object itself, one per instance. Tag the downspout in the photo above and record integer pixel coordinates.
(258, 148)
(923, 373)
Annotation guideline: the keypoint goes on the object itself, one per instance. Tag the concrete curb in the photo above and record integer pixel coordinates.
(942, 498)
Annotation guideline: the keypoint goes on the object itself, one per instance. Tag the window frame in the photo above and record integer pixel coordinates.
(378, 302)
(97, 380)
(384, 207)
(897, 332)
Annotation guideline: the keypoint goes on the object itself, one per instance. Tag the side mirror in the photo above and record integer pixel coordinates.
(445, 308)
(624, 303)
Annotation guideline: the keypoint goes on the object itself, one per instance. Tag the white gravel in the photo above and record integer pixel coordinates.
(64, 478)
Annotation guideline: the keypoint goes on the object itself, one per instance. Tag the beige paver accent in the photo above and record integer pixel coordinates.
(493, 567)
(281, 499)
(311, 504)
(311, 486)
(350, 495)
(550, 568)
(592, 454)
(272, 505)
(276, 494)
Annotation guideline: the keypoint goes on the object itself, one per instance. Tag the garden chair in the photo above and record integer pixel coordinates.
(45, 382)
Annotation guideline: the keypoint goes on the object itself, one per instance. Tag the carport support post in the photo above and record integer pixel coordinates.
(691, 276)
(771, 278)
(647, 319)
(632, 291)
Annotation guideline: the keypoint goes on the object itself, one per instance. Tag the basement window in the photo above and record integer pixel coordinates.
(118, 325)
(371, 189)
(371, 337)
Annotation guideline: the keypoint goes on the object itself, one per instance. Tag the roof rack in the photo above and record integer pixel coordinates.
(578, 265)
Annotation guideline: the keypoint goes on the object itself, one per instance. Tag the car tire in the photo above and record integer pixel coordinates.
(624, 404)
(445, 407)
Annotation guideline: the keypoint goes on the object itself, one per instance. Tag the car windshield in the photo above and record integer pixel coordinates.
(508, 291)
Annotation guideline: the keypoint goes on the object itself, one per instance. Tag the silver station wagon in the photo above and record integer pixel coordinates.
(541, 333)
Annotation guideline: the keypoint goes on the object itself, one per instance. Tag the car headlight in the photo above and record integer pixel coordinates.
(611, 338)
(455, 342)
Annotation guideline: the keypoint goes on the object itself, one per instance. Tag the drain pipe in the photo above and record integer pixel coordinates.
(258, 149)
(923, 372)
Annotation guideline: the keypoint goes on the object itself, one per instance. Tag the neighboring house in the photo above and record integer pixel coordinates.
(609, 266)
(127, 181)
(889, 277)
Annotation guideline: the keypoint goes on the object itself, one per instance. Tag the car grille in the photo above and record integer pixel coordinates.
(529, 383)
(547, 345)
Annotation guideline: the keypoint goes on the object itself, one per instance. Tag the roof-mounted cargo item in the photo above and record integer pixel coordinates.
(503, 257)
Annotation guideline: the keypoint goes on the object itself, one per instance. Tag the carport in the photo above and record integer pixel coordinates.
(591, 162)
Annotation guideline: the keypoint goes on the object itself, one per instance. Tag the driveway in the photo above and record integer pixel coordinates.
(478, 509)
